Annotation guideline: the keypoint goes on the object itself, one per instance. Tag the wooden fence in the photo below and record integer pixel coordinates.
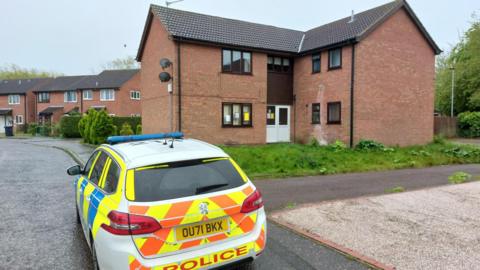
(446, 126)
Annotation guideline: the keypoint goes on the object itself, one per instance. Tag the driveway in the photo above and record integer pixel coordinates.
(39, 231)
(436, 228)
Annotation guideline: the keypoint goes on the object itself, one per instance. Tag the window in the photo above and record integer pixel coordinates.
(316, 113)
(87, 95)
(19, 119)
(107, 95)
(88, 166)
(13, 99)
(283, 116)
(236, 62)
(335, 58)
(135, 115)
(135, 95)
(70, 96)
(271, 115)
(316, 63)
(278, 64)
(183, 179)
(98, 168)
(236, 115)
(334, 113)
(111, 179)
(44, 97)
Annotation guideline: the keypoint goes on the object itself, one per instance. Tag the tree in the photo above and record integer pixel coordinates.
(465, 57)
(13, 71)
(128, 62)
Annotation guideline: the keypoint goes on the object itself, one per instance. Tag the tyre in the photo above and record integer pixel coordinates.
(78, 215)
(94, 257)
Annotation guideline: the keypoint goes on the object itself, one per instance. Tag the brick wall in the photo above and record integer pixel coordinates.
(326, 86)
(204, 88)
(57, 99)
(395, 73)
(17, 109)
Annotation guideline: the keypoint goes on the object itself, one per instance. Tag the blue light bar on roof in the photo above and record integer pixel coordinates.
(135, 138)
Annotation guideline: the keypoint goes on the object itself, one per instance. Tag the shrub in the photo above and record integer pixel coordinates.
(395, 190)
(439, 139)
(337, 146)
(55, 130)
(369, 145)
(126, 129)
(118, 121)
(459, 178)
(70, 126)
(81, 126)
(101, 127)
(314, 142)
(469, 124)
(32, 129)
(138, 130)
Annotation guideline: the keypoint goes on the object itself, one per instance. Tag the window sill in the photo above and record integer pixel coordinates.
(316, 72)
(235, 73)
(334, 68)
(315, 123)
(229, 126)
(88, 99)
(334, 123)
(106, 100)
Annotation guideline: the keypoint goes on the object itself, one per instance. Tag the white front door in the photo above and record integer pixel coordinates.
(278, 123)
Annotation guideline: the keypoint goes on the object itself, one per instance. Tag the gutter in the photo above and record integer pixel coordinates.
(179, 72)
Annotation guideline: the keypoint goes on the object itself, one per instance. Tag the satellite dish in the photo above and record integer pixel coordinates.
(165, 63)
(164, 77)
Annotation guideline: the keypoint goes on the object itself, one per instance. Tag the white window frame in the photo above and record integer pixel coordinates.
(135, 95)
(16, 119)
(65, 96)
(104, 97)
(13, 99)
(87, 91)
(111, 114)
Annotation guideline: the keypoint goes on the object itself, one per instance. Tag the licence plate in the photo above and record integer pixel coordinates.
(201, 229)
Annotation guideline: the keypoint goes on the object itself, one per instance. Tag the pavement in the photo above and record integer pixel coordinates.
(39, 231)
(428, 229)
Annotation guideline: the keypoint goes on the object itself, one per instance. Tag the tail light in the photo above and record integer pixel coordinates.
(127, 224)
(253, 202)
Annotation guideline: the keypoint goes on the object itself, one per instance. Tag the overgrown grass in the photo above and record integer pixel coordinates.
(284, 160)
(459, 178)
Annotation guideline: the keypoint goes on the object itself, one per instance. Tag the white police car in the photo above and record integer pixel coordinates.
(163, 202)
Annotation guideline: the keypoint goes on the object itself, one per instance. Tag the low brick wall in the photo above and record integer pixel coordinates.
(446, 126)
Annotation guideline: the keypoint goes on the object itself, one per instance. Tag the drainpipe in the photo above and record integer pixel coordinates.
(25, 115)
(352, 91)
(179, 72)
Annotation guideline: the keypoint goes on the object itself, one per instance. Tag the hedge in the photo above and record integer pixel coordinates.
(469, 124)
(69, 126)
(118, 121)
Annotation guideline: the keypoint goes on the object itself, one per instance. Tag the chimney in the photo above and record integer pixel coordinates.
(352, 19)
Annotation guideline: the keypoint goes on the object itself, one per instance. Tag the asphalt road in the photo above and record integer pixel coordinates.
(38, 228)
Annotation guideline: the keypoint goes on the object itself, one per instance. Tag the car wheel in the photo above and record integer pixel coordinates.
(94, 257)
(78, 215)
(245, 266)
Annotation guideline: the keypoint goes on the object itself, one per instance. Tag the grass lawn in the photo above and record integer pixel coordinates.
(284, 160)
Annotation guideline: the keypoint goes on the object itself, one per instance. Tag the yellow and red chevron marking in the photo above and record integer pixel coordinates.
(261, 240)
(199, 262)
(187, 212)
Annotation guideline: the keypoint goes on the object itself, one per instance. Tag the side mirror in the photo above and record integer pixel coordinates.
(75, 170)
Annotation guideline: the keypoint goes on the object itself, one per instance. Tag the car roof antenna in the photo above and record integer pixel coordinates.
(171, 145)
(165, 142)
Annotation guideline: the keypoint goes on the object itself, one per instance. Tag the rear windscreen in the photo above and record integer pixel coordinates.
(183, 179)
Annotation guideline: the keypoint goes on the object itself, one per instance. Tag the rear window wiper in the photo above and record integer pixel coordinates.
(210, 187)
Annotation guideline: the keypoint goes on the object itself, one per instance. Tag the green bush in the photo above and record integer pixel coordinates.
(118, 121)
(126, 129)
(138, 130)
(101, 127)
(459, 178)
(70, 126)
(369, 145)
(32, 129)
(337, 146)
(469, 124)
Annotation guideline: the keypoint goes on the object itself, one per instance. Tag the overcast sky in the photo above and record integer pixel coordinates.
(78, 36)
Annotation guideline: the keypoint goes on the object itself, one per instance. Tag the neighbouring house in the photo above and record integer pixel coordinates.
(367, 76)
(116, 91)
(17, 102)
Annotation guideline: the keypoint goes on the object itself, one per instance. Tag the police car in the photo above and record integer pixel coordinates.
(167, 203)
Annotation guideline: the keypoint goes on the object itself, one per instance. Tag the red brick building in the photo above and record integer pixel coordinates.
(17, 102)
(116, 91)
(368, 76)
